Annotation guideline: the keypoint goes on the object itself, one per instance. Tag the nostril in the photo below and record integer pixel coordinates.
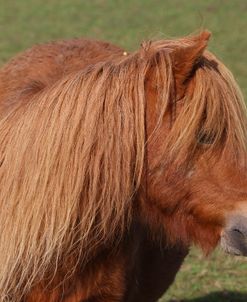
(238, 225)
(234, 236)
(238, 232)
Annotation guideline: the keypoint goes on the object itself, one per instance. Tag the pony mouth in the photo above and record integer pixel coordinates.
(234, 238)
(231, 249)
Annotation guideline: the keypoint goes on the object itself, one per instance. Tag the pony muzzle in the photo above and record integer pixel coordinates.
(234, 236)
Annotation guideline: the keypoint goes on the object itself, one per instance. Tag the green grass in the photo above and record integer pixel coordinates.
(219, 278)
(25, 22)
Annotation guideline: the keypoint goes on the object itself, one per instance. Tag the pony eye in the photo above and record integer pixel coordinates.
(205, 138)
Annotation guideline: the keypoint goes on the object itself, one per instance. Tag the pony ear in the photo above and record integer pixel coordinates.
(185, 58)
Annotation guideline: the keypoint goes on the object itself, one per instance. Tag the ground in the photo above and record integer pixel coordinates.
(218, 278)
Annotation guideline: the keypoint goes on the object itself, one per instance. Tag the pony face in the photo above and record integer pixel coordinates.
(196, 155)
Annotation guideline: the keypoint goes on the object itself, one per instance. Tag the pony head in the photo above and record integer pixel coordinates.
(196, 147)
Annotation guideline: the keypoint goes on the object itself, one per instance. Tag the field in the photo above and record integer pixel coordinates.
(218, 278)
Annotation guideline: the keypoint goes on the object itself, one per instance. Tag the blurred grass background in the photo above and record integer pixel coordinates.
(219, 278)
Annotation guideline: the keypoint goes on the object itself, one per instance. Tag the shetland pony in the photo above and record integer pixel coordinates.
(113, 164)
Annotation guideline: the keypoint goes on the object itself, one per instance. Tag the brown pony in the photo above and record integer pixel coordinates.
(113, 164)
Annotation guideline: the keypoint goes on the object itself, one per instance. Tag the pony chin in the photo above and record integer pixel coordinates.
(189, 232)
(207, 238)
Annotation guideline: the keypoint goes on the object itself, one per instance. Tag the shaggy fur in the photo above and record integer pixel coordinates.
(86, 151)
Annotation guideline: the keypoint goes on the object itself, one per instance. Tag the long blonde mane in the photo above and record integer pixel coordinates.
(72, 158)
